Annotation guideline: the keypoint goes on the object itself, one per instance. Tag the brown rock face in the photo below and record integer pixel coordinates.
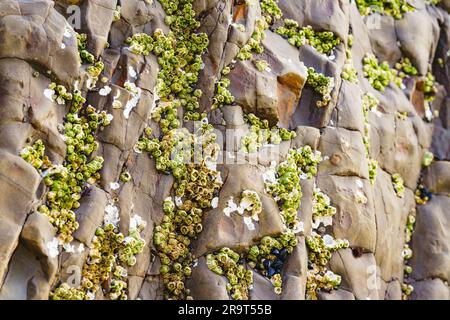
(38, 46)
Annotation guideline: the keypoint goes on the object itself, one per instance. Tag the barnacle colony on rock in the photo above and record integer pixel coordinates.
(66, 182)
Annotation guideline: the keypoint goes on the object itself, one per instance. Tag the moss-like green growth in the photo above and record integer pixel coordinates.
(380, 75)
(226, 262)
(320, 84)
(179, 56)
(323, 42)
(397, 183)
(195, 187)
(394, 8)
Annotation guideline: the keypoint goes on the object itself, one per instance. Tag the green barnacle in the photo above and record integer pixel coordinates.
(35, 155)
(427, 159)
(349, 72)
(320, 249)
(369, 103)
(125, 176)
(261, 65)
(397, 183)
(322, 210)
(117, 13)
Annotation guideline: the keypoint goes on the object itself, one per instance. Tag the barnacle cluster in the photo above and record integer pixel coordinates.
(397, 183)
(254, 43)
(380, 75)
(260, 133)
(394, 8)
(59, 93)
(429, 88)
(320, 249)
(222, 95)
(270, 10)
(373, 167)
(323, 211)
(195, 187)
(284, 185)
(35, 155)
(320, 84)
(349, 72)
(323, 41)
(228, 263)
(179, 56)
(108, 250)
(85, 56)
(117, 13)
(405, 68)
(196, 183)
(269, 255)
(140, 43)
(66, 182)
(95, 69)
(422, 194)
(369, 103)
(407, 254)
